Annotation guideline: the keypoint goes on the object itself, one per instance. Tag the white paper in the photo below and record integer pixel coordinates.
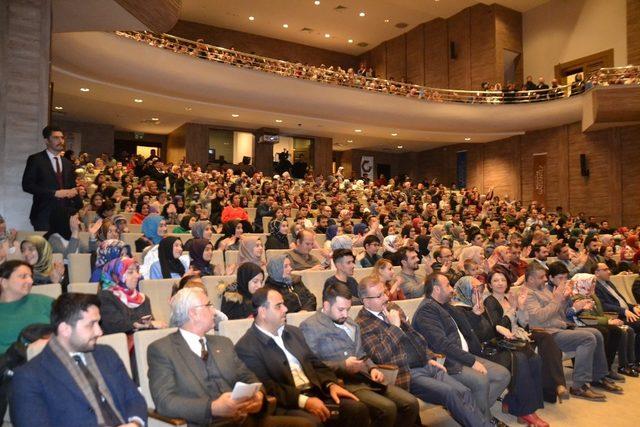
(244, 391)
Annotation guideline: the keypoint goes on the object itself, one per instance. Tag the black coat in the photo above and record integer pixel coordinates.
(296, 296)
(116, 316)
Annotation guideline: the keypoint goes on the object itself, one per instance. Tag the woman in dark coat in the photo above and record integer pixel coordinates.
(277, 238)
(295, 294)
(236, 297)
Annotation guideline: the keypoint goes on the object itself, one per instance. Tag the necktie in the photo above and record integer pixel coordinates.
(58, 172)
(110, 418)
(383, 317)
(204, 354)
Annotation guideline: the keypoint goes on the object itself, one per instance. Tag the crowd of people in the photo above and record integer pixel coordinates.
(363, 77)
(495, 318)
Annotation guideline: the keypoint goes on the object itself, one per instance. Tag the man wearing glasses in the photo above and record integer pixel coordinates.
(192, 374)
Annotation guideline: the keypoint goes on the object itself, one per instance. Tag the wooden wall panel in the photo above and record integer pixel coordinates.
(501, 167)
(458, 34)
(397, 58)
(630, 173)
(436, 54)
(379, 61)
(322, 155)
(415, 55)
(158, 15)
(482, 46)
(508, 29)
(633, 32)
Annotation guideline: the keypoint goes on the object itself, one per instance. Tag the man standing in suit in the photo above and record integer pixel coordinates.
(335, 339)
(74, 382)
(50, 178)
(192, 375)
(281, 358)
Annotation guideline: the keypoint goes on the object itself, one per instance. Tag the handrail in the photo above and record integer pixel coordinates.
(604, 76)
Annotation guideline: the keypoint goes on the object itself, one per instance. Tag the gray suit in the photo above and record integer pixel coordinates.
(390, 406)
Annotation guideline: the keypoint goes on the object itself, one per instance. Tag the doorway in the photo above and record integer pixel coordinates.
(383, 169)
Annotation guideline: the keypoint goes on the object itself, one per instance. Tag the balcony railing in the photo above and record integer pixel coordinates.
(331, 75)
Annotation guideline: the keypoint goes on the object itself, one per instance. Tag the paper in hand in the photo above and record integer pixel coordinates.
(243, 391)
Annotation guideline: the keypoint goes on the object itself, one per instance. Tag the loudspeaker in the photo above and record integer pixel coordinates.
(246, 160)
(584, 170)
(452, 50)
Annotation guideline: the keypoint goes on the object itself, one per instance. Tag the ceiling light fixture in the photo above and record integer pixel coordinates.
(327, 35)
(285, 25)
(188, 108)
(58, 108)
(400, 147)
(350, 41)
(84, 89)
(362, 14)
(155, 119)
(386, 21)
(394, 134)
(235, 115)
(317, 2)
(251, 18)
(467, 139)
(137, 100)
(278, 121)
(349, 140)
(357, 130)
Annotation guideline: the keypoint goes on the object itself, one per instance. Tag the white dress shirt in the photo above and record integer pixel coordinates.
(193, 341)
(52, 159)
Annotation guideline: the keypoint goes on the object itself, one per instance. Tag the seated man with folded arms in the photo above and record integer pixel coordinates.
(388, 339)
(450, 334)
(73, 381)
(191, 374)
(284, 363)
(335, 339)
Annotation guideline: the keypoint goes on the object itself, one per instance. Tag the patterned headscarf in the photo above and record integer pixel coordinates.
(44, 265)
(274, 229)
(113, 279)
(389, 243)
(463, 289)
(583, 284)
(150, 228)
(106, 252)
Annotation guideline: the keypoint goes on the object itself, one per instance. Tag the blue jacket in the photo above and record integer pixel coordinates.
(610, 302)
(44, 394)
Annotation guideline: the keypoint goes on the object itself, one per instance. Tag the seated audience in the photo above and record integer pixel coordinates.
(370, 256)
(107, 251)
(344, 261)
(383, 269)
(38, 253)
(154, 228)
(171, 263)
(234, 211)
(296, 295)
(411, 283)
(201, 253)
(251, 250)
(230, 240)
(236, 297)
(301, 258)
(185, 225)
(277, 238)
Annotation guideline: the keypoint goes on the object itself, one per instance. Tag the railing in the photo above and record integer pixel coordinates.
(329, 75)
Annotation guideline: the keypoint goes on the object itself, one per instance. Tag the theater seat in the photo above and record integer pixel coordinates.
(295, 319)
(272, 253)
(212, 283)
(79, 267)
(83, 288)
(265, 223)
(230, 257)
(409, 306)
(234, 329)
(158, 292)
(53, 290)
(314, 280)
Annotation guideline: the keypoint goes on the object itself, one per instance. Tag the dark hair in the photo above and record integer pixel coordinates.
(334, 291)
(68, 308)
(534, 267)
(107, 205)
(473, 234)
(557, 268)
(7, 269)
(260, 298)
(403, 252)
(370, 239)
(48, 130)
(438, 252)
(536, 248)
(430, 282)
(341, 253)
(589, 239)
(493, 273)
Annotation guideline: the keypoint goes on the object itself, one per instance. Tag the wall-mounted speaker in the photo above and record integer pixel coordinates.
(584, 169)
(452, 50)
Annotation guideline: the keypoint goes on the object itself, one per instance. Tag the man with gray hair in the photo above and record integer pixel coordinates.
(186, 379)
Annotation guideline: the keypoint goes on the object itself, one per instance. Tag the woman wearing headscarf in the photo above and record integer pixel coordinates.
(295, 294)
(251, 250)
(236, 297)
(107, 251)
(122, 307)
(459, 240)
(154, 227)
(171, 264)
(38, 253)
(201, 251)
(390, 244)
(437, 234)
(199, 230)
(231, 239)
(185, 225)
(524, 397)
(277, 238)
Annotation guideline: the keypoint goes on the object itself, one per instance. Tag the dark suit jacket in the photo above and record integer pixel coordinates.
(262, 355)
(116, 316)
(44, 393)
(177, 387)
(609, 302)
(39, 179)
(439, 325)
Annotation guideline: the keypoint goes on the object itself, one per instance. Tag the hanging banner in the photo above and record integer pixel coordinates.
(366, 167)
(540, 178)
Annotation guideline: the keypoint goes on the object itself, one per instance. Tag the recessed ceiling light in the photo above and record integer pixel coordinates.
(349, 140)
(235, 115)
(317, 2)
(467, 139)
(350, 41)
(394, 134)
(84, 89)
(327, 35)
(188, 108)
(361, 14)
(57, 107)
(155, 119)
(137, 100)
(386, 21)
(278, 121)
(400, 147)
(285, 25)
(251, 18)
(357, 130)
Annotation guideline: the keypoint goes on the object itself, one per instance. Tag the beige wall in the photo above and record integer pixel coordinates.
(563, 30)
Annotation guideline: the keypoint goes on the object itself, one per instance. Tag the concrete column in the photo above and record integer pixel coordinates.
(25, 37)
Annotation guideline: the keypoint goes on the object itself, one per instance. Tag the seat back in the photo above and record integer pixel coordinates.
(234, 329)
(295, 319)
(252, 214)
(130, 239)
(79, 267)
(217, 258)
(314, 280)
(158, 291)
(230, 257)
(265, 223)
(361, 273)
(272, 253)
(141, 341)
(134, 228)
(212, 283)
(53, 290)
(409, 306)
(83, 287)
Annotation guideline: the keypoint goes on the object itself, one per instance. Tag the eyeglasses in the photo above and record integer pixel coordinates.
(209, 304)
(374, 297)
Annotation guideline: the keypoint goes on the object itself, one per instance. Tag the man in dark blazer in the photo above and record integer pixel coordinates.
(335, 339)
(192, 375)
(74, 382)
(279, 355)
(612, 300)
(50, 178)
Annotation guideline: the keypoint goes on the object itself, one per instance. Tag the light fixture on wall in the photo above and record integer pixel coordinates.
(154, 119)
(350, 41)
(285, 25)
(235, 115)
(84, 89)
(317, 2)
(137, 100)
(400, 147)
(327, 35)
(188, 108)
(357, 130)
(394, 134)
(362, 14)
(278, 121)
(467, 139)
(349, 140)
(57, 107)
(251, 18)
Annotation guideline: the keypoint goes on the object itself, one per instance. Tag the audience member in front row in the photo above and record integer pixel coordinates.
(280, 357)
(547, 310)
(73, 381)
(389, 339)
(383, 268)
(335, 338)
(236, 297)
(344, 260)
(449, 333)
(525, 392)
(38, 253)
(277, 238)
(122, 307)
(171, 263)
(297, 296)
(301, 258)
(191, 374)
(370, 256)
(412, 284)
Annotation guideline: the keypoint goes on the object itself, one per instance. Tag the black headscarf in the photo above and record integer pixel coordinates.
(274, 229)
(184, 222)
(196, 251)
(229, 229)
(246, 272)
(169, 264)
